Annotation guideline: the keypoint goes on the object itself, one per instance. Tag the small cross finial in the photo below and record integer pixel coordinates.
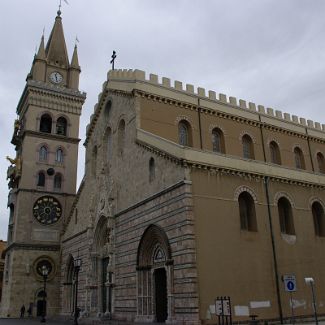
(60, 5)
(76, 41)
(113, 59)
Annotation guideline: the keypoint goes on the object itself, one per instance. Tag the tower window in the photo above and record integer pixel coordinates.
(299, 158)
(184, 133)
(46, 124)
(94, 161)
(248, 148)
(57, 181)
(321, 163)
(275, 153)
(151, 169)
(121, 136)
(285, 216)
(247, 212)
(218, 140)
(61, 126)
(319, 221)
(107, 144)
(41, 179)
(43, 154)
(59, 156)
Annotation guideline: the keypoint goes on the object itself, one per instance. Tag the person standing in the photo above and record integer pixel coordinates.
(22, 311)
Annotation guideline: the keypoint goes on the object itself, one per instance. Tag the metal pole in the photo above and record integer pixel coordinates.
(292, 312)
(43, 320)
(275, 262)
(314, 302)
(76, 299)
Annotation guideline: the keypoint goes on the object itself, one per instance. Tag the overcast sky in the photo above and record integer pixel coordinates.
(271, 52)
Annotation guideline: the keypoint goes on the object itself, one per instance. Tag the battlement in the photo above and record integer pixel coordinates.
(237, 106)
(139, 75)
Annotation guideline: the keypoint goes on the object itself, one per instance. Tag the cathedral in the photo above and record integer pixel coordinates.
(188, 199)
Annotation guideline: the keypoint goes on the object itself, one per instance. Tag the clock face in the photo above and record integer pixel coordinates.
(56, 77)
(47, 210)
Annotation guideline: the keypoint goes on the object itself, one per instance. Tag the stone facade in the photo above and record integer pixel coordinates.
(186, 197)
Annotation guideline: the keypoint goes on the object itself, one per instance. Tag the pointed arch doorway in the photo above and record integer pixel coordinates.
(154, 277)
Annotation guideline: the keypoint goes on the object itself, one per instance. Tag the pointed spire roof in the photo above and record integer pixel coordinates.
(56, 50)
(74, 60)
(41, 51)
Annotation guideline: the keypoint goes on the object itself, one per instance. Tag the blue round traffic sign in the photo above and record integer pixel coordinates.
(290, 285)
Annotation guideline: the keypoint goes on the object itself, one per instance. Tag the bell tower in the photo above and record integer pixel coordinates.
(42, 177)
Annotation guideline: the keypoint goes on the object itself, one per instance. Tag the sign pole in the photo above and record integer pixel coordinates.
(292, 311)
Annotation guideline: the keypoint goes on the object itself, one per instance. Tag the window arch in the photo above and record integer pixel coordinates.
(248, 147)
(107, 144)
(94, 161)
(43, 153)
(286, 217)
(319, 219)
(59, 156)
(107, 109)
(299, 158)
(275, 153)
(247, 212)
(184, 133)
(321, 162)
(57, 181)
(61, 126)
(46, 123)
(152, 169)
(218, 141)
(121, 136)
(41, 179)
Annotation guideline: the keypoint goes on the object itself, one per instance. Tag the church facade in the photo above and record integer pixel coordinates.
(186, 197)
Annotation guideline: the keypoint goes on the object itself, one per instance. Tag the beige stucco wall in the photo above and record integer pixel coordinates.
(239, 264)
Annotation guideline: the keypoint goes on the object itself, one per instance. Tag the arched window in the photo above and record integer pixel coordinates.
(218, 141)
(108, 107)
(275, 153)
(94, 161)
(318, 216)
(184, 133)
(247, 212)
(57, 181)
(152, 169)
(59, 156)
(61, 126)
(286, 217)
(299, 158)
(46, 124)
(41, 179)
(43, 154)
(107, 144)
(248, 147)
(121, 136)
(321, 163)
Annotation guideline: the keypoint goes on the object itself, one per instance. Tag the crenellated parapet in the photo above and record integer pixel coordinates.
(152, 83)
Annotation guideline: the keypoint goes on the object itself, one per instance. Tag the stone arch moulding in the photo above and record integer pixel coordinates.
(184, 118)
(297, 145)
(152, 236)
(244, 188)
(247, 133)
(154, 257)
(314, 199)
(269, 140)
(217, 126)
(281, 194)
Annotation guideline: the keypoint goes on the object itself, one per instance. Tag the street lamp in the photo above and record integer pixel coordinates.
(77, 264)
(311, 282)
(45, 272)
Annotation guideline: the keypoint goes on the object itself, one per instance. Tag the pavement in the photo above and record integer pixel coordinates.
(34, 321)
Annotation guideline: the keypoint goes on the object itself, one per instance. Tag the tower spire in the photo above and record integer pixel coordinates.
(56, 50)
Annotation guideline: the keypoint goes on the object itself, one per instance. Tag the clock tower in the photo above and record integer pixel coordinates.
(42, 177)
